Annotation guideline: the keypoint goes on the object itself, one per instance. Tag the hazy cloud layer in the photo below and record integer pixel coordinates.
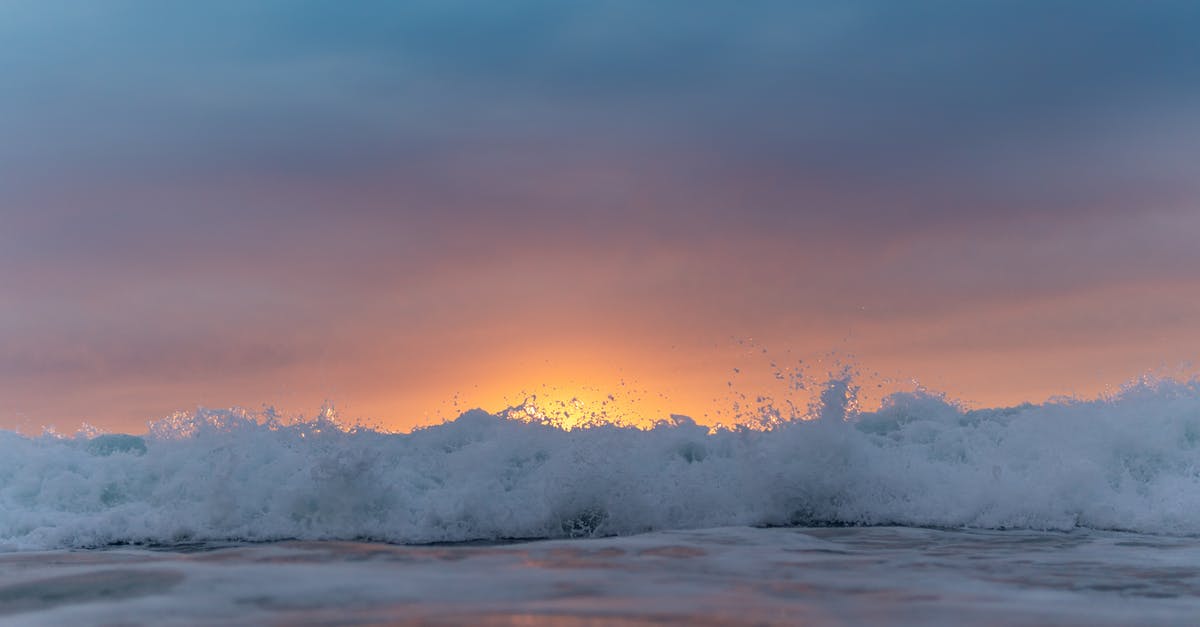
(242, 193)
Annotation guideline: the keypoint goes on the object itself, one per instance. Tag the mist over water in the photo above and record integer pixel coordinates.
(1128, 461)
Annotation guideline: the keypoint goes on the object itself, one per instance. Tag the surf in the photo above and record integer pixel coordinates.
(1128, 461)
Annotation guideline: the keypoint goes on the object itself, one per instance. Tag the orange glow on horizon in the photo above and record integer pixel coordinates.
(651, 372)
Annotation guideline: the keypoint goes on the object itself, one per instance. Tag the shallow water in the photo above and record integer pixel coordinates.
(732, 575)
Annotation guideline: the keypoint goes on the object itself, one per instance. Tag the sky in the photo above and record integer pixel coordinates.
(410, 209)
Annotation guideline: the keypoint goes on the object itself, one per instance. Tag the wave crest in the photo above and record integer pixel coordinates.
(1129, 461)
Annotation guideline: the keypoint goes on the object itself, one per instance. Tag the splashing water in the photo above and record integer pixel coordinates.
(1129, 461)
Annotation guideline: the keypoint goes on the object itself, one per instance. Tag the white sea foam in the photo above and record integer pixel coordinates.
(1129, 462)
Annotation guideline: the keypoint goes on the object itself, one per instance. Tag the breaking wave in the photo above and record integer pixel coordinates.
(1129, 462)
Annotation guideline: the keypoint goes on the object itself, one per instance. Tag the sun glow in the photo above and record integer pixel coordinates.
(578, 410)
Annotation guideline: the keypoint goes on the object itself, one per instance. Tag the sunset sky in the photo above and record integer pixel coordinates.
(413, 208)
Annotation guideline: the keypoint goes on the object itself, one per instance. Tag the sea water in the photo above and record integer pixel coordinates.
(722, 576)
(1069, 512)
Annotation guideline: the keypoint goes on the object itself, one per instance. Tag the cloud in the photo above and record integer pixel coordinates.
(224, 187)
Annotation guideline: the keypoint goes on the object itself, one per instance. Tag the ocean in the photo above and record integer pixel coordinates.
(722, 576)
(1072, 512)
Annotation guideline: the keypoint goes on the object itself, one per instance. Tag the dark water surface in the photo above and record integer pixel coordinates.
(738, 576)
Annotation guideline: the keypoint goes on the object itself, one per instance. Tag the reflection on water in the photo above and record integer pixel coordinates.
(729, 576)
(87, 587)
